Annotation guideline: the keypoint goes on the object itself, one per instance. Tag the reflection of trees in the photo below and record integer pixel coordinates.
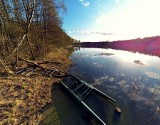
(76, 48)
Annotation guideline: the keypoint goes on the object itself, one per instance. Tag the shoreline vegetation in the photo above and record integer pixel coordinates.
(148, 45)
(34, 51)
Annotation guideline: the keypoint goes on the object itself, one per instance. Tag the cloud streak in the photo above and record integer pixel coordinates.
(88, 32)
(84, 3)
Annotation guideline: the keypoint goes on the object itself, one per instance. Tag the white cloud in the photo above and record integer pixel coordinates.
(153, 75)
(117, 1)
(69, 31)
(84, 3)
(88, 32)
(137, 18)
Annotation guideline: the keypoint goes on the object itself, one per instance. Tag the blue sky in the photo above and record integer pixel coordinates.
(101, 20)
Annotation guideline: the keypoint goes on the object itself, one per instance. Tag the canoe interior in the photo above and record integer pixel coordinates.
(78, 87)
(103, 109)
(71, 82)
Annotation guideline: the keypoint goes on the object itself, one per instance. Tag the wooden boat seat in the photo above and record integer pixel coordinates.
(78, 87)
(82, 91)
(86, 93)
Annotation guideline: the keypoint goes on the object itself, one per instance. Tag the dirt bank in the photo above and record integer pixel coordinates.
(23, 97)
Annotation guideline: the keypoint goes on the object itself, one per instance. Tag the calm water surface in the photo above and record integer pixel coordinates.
(132, 79)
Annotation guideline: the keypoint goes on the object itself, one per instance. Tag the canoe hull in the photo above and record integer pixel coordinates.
(82, 104)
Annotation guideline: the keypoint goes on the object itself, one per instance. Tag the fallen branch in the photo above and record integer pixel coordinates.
(31, 62)
(5, 67)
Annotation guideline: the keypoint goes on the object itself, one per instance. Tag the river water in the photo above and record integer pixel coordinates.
(132, 79)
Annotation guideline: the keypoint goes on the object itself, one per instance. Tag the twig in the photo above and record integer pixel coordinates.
(7, 70)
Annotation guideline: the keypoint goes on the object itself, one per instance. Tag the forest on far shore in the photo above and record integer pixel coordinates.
(147, 45)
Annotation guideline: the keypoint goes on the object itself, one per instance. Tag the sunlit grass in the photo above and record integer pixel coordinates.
(22, 98)
(58, 55)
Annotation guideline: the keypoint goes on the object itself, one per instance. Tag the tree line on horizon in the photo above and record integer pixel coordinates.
(147, 45)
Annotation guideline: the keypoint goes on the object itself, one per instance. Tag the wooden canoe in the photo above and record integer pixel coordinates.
(80, 91)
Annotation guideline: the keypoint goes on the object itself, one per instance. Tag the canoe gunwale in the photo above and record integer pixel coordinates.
(96, 91)
(78, 83)
(82, 104)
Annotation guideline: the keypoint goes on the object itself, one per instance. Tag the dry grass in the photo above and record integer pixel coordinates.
(22, 99)
(58, 55)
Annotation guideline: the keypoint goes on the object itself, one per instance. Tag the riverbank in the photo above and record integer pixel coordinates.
(23, 97)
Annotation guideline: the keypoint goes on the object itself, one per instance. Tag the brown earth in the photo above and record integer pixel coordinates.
(23, 97)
